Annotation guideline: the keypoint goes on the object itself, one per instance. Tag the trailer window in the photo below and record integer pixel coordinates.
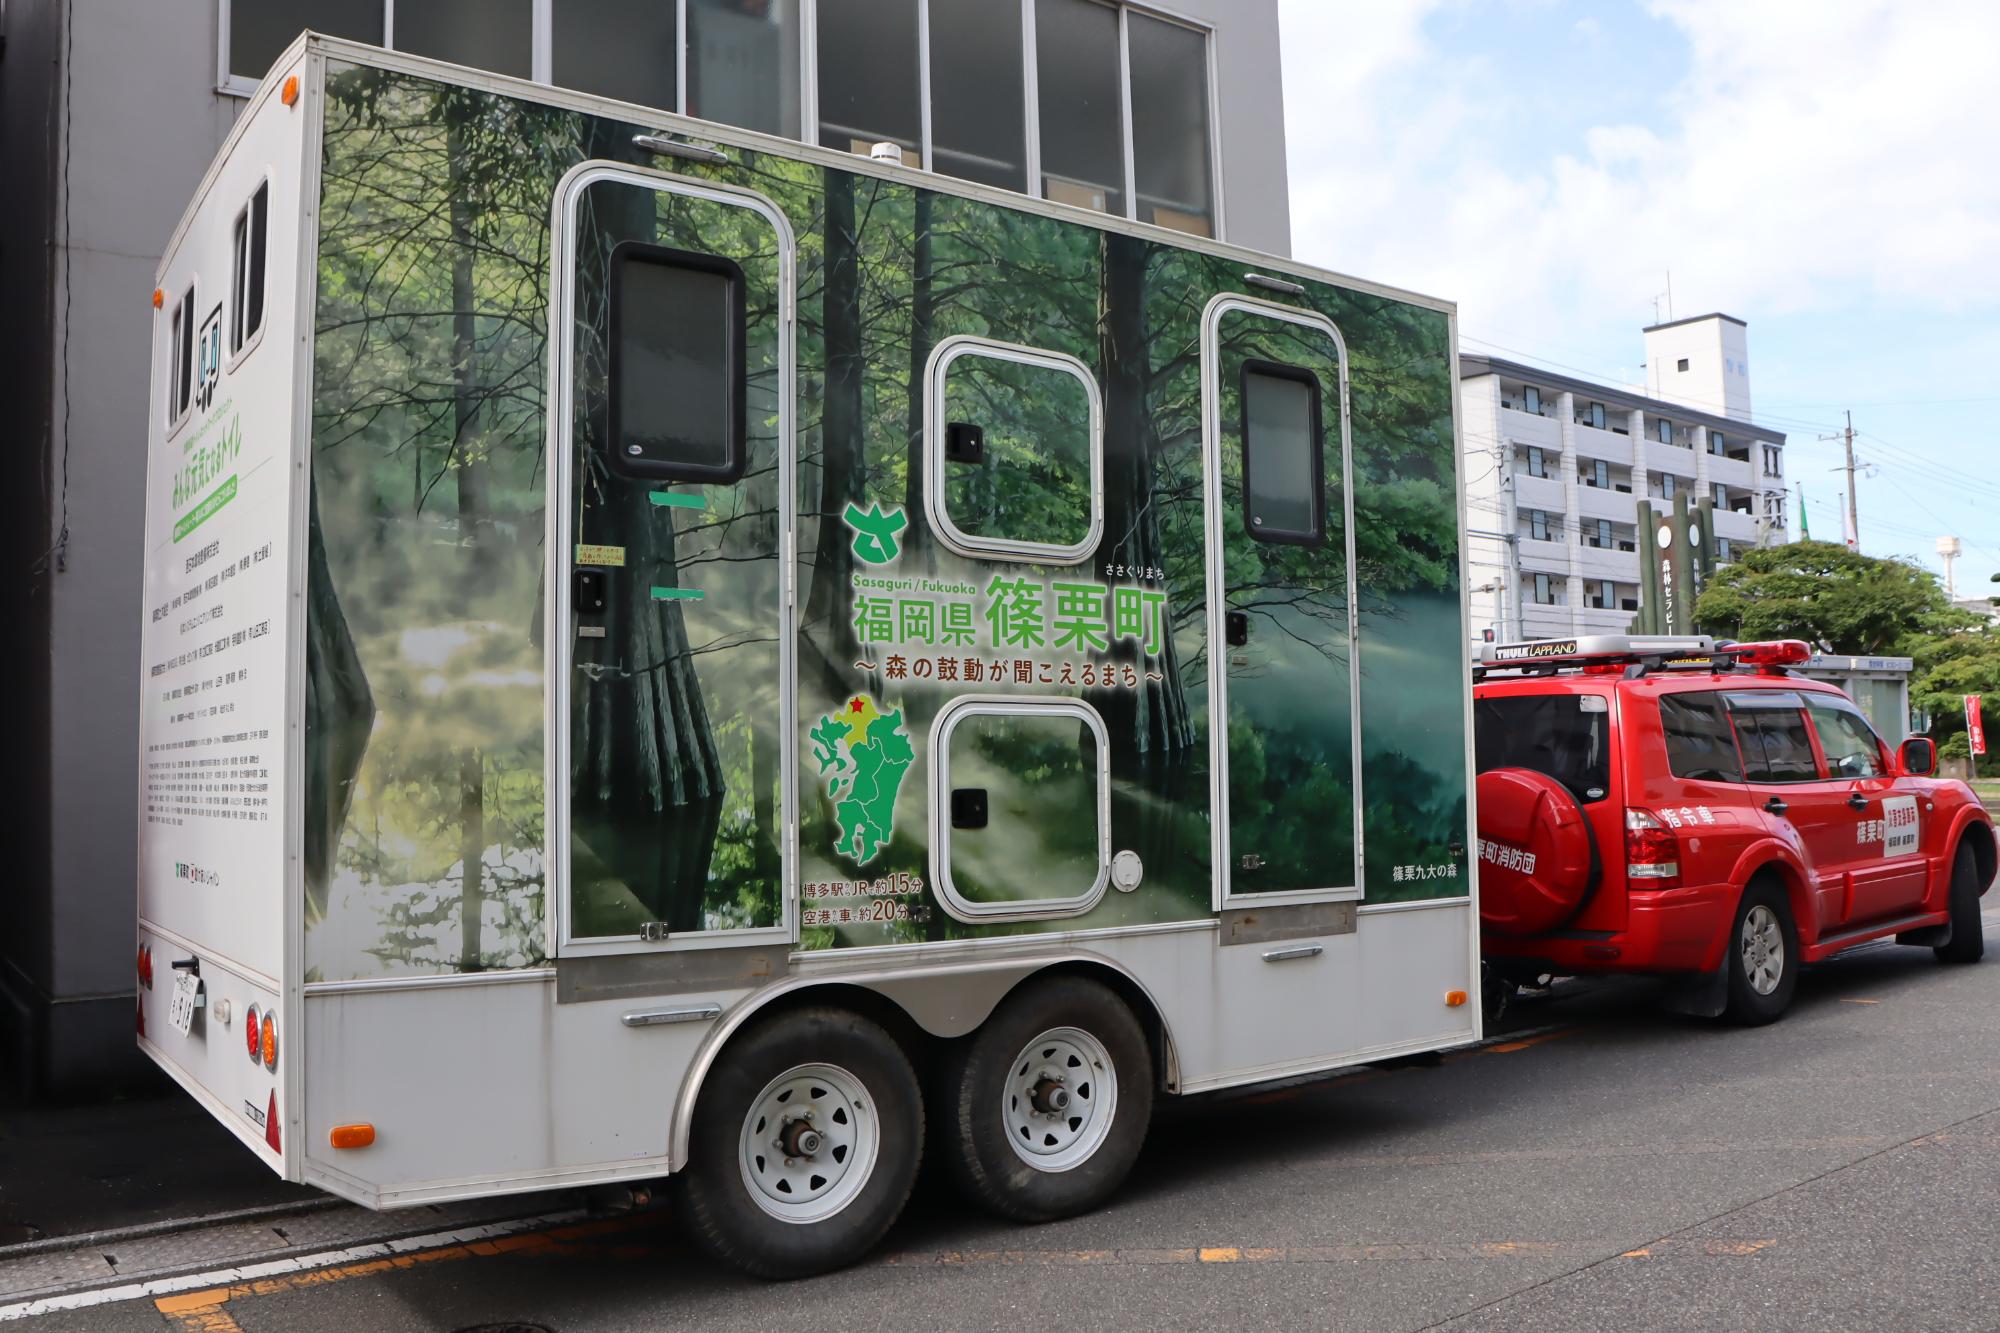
(180, 365)
(1021, 804)
(1283, 478)
(1562, 735)
(246, 294)
(676, 365)
(1014, 441)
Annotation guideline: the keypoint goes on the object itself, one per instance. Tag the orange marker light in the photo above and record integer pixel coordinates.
(351, 1136)
(159, 298)
(1454, 998)
(270, 1041)
(289, 95)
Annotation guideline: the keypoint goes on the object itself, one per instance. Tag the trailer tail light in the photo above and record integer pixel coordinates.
(270, 1040)
(145, 967)
(253, 1036)
(1652, 851)
(351, 1136)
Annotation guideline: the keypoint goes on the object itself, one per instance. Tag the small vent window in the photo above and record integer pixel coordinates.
(676, 365)
(1014, 438)
(180, 365)
(246, 300)
(1284, 486)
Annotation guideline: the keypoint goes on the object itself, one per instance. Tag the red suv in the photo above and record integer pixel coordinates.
(1668, 805)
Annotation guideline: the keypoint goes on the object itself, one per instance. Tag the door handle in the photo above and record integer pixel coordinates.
(1856, 801)
(1776, 805)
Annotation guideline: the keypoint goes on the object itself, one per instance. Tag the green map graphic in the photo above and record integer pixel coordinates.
(863, 753)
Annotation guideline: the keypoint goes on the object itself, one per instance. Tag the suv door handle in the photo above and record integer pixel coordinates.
(1856, 801)
(1776, 805)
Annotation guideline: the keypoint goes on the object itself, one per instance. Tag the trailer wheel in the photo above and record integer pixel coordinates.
(1049, 1101)
(805, 1144)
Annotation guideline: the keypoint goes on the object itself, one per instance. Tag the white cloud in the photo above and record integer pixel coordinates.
(1814, 156)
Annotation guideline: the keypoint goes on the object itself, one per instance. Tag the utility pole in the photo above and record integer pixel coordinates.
(1853, 510)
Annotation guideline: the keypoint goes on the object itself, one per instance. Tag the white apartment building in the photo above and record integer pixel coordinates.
(1556, 467)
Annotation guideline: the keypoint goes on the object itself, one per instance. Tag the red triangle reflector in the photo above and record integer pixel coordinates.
(271, 1124)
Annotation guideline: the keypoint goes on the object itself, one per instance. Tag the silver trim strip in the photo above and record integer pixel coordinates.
(647, 1018)
(434, 981)
(693, 152)
(1417, 905)
(1294, 951)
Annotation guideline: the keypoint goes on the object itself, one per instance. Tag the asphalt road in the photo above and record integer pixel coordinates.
(1625, 1169)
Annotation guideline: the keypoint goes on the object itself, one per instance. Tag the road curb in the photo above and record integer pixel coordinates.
(83, 1240)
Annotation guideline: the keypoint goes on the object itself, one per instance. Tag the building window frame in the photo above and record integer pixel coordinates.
(542, 64)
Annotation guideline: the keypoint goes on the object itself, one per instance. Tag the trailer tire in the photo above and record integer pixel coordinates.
(1069, 1040)
(854, 1150)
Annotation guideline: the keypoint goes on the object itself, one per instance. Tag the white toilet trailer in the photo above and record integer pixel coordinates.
(671, 651)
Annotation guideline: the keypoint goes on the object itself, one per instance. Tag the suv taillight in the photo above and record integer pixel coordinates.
(1652, 851)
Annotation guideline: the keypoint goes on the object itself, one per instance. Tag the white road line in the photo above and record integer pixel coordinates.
(222, 1277)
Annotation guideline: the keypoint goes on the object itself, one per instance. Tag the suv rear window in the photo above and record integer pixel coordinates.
(1700, 744)
(1562, 735)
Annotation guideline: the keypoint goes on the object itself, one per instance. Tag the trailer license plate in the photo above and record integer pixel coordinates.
(187, 992)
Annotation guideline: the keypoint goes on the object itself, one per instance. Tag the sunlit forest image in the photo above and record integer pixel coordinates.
(428, 831)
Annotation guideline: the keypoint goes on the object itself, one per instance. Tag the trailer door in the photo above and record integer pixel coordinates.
(1286, 749)
(670, 820)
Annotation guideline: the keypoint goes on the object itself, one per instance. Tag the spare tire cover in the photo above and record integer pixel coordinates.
(1537, 855)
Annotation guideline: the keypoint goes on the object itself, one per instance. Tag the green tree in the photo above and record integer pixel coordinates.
(1836, 599)
(1949, 667)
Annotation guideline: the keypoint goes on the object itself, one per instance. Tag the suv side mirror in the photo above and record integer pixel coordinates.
(1917, 757)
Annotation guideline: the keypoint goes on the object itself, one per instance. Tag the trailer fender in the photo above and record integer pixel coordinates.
(944, 1000)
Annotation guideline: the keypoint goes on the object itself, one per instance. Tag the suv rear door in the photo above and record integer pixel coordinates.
(1886, 868)
(1781, 766)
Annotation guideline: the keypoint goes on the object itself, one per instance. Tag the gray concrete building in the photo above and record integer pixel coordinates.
(111, 110)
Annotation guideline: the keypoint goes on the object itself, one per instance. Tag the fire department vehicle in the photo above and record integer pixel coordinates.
(1675, 805)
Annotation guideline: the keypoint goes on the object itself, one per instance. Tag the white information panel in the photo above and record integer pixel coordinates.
(213, 725)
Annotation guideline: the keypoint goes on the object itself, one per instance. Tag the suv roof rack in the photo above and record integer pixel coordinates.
(1639, 653)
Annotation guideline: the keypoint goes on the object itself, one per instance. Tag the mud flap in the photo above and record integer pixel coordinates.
(1701, 994)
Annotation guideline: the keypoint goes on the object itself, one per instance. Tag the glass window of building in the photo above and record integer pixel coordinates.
(1170, 168)
(1080, 104)
(627, 49)
(869, 76)
(259, 32)
(1538, 525)
(1664, 429)
(1531, 400)
(496, 35)
(1535, 466)
(979, 126)
(743, 63)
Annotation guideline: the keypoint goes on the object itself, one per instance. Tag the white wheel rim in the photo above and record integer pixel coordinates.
(821, 1107)
(1059, 1099)
(1763, 947)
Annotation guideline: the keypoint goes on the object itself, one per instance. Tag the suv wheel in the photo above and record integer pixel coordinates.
(1968, 940)
(1763, 957)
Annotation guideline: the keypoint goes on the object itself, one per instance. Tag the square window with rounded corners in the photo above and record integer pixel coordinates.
(1020, 796)
(676, 365)
(1014, 450)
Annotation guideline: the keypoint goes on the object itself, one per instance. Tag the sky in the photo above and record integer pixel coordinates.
(1826, 170)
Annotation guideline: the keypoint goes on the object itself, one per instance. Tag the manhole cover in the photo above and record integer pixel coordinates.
(506, 1328)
